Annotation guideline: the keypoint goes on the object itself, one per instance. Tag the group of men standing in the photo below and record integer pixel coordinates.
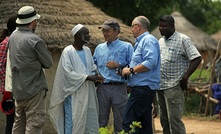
(77, 105)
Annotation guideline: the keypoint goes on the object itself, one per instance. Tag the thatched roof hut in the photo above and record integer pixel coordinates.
(200, 39)
(217, 36)
(58, 18)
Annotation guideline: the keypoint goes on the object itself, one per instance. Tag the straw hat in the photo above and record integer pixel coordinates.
(26, 15)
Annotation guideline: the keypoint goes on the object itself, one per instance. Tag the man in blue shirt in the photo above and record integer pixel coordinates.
(144, 77)
(108, 56)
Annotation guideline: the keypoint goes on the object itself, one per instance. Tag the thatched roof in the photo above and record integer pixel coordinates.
(200, 39)
(58, 18)
(217, 36)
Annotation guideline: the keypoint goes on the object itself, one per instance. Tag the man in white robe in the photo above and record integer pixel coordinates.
(74, 83)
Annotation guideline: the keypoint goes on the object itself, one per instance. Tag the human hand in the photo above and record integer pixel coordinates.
(184, 83)
(97, 78)
(119, 71)
(112, 64)
(125, 71)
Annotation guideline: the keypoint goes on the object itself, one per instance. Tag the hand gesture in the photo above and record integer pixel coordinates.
(95, 78)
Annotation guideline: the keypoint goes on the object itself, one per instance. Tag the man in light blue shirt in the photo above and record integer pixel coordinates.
(144, 77)
(108, 56)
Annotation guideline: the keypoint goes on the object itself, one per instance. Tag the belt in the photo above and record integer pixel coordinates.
(114, 83)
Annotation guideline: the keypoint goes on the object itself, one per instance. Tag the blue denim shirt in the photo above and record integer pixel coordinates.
(147, 53)
(118, 51)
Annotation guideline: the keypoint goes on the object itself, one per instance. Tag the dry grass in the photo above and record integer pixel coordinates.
(58, 18)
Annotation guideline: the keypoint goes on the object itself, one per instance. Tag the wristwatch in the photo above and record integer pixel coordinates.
(132, 70)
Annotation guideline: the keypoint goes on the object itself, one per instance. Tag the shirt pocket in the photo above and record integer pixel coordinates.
(172, 55)
(121, 58)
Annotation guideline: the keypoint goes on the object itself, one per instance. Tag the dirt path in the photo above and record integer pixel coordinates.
(195, 126)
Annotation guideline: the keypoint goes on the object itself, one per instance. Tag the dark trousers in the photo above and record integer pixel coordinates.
(139, 108)
(112, 97)
(9, 123)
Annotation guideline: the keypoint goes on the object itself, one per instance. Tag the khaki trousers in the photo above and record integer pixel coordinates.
(171, 102)
(30, 114)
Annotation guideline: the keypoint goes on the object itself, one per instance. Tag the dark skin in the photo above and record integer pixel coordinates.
(82, 37)
(167, 29)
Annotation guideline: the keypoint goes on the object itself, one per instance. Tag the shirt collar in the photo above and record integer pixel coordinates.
(172, 37)
(141, 36)
(113, 42)
(24, 28)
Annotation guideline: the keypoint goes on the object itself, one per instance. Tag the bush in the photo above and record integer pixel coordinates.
(204, 77)
(109, 130)
(192, 101)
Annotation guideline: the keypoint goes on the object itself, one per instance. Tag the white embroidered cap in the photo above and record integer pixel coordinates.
(76, 29)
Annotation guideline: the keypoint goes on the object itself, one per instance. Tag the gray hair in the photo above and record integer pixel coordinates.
(143, 21)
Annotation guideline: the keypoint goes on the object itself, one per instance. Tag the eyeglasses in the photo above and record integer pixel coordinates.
(132, 26)
(106, 30)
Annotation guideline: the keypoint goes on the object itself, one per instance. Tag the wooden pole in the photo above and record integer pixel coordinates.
(212, 77)
(210, 88)
(201, 92)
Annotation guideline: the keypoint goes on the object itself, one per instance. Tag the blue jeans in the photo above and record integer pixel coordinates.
(139, 108)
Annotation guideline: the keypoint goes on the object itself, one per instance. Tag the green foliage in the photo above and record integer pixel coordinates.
(109, 130)
(192, 101)
(132, 126)
(127, 10)
(204, 14)
(203, 77)
(106, 130)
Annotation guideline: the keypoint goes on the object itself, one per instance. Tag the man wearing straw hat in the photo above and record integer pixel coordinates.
(29, 56)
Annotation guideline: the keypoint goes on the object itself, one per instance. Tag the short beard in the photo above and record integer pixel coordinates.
(86, 42)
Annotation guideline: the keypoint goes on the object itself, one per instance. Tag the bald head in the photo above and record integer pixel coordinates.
(143, 21)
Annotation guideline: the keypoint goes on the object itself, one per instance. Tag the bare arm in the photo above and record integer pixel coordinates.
(193, 66)
(136, 69)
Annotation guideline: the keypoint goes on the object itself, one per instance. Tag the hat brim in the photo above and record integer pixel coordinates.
(104, 27)
(27, 20)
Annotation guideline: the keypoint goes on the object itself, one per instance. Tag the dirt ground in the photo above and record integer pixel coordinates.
(194, 125)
